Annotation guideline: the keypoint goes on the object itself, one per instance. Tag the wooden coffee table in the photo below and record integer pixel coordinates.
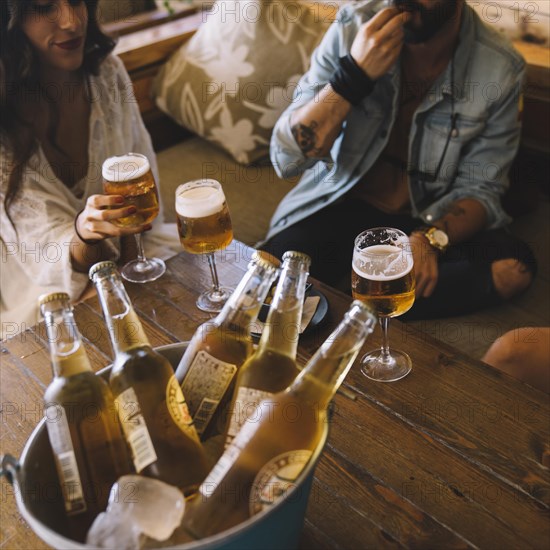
(450, 456)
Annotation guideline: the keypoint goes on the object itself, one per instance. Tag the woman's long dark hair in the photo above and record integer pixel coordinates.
(19, 75)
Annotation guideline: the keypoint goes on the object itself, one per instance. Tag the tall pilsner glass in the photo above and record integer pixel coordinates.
(204, 226)
(130, 175)
(383, 277)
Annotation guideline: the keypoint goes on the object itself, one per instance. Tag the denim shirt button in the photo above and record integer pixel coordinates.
(429, 217)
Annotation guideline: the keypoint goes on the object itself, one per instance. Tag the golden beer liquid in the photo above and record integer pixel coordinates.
(268, 371)
(228, 344)
(290, 423)
(389, 296)
(140, 192)
(180, 458)
(97, 441)
(207, 234)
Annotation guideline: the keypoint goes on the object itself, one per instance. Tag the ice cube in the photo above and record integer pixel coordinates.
(115, 529)
(137, 505)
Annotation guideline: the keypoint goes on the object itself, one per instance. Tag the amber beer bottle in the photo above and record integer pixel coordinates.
(150, 403)
(86, 438)
(273, 366)
(272, 449)
(220, 346)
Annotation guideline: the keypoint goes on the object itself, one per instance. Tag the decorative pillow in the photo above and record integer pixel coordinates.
(236, 75)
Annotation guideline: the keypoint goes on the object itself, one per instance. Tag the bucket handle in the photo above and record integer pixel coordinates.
(9, 468)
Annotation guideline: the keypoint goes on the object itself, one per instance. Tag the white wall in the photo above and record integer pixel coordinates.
(517, 18)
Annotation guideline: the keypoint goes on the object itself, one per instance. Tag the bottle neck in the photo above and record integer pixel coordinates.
(67, 352)
(241, 309)
(282, 329)
(125, 328)
(326, 370)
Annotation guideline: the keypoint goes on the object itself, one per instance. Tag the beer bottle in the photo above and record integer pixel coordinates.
(272, 448)
(219, 347)
(273, 365)
(150, 403)
(86, 438)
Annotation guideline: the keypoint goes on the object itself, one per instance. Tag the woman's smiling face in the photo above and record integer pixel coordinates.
(57, 31)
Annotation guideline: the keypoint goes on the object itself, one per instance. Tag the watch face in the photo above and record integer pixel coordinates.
(440, 237)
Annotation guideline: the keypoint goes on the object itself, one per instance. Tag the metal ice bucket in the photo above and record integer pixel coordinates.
(38, 496)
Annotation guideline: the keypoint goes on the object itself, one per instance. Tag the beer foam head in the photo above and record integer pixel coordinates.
(125, 167)
(382, 262)
(199, 199)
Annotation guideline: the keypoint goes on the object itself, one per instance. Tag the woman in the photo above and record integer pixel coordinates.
(66, 104)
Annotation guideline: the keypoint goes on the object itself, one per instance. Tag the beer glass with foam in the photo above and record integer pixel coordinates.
(131, 177)
(383, 277)
(204, 227)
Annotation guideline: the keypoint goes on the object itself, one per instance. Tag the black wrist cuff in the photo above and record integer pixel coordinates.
(350, 81)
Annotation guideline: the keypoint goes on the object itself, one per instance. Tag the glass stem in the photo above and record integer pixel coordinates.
(213, 271)
(140, 252)
(385, 351)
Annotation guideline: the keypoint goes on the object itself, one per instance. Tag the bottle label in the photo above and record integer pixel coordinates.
(67, 467)
(177, 407)
(276, 478)
(208, 486)
(135, 429)
(204, 386)
(245, 407)
(229, 456)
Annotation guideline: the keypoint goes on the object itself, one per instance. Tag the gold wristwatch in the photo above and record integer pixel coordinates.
(437, 238)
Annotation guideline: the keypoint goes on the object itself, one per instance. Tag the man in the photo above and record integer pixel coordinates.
(409, 118)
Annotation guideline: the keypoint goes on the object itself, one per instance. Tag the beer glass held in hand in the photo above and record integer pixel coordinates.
(130, 176)
(383, 277)
(204, 226)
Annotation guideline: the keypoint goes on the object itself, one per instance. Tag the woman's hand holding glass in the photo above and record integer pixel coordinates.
(130, 177)
(383, 277)
(98, 220)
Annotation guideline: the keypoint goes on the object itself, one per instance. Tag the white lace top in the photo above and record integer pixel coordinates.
(35, 254)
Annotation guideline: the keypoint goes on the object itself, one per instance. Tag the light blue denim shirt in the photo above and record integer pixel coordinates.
(488, 75)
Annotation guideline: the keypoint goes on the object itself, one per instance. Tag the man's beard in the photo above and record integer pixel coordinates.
(433, 19)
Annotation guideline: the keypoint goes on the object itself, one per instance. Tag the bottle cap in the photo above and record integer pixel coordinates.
(295, 255)
(263, 262)
(53, 297)
(101, 266)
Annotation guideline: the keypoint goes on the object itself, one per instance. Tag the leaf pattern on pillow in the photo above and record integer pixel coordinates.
(230, 65)
(235, 76)
(237, 138)
(277, 100)
(191, 115)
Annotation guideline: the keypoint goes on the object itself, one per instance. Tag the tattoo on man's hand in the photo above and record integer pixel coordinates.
(306, 137)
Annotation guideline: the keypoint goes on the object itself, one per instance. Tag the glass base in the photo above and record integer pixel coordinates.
(386, 369)
(145, 271)
(212, 300)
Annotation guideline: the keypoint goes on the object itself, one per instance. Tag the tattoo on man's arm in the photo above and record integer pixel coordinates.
(454, 210)
(306, 137)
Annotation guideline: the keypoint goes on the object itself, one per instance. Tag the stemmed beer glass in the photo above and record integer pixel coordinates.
(130, 175)
(383, 277)
(204, 226)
